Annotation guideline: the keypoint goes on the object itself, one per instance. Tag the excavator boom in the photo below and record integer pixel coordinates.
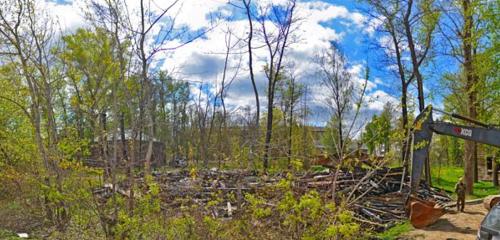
(490, 136)
(422, 214)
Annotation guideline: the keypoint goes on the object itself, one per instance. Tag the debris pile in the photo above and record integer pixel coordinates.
(183, 188)
(374, 195)
(377, 197)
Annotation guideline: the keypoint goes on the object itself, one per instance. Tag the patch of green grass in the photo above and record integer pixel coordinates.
(446, 178)
(394, 164)
(396, 231)
(7, 235)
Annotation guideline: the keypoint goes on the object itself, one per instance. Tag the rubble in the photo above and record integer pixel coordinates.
(376, 197)
(373, 195)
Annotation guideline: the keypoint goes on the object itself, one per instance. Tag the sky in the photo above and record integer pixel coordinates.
(322, 21)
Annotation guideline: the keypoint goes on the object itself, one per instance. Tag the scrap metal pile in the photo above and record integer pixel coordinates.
(374, 195)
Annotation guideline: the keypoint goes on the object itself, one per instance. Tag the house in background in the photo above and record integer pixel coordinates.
(317, 133)
(485, 158)
(355, 150)
(99, 157)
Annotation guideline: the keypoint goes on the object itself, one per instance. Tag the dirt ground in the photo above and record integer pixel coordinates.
(452, 226)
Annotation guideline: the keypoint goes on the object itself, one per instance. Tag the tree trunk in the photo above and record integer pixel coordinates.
(130, 173)
(414, 60)
(122, 136)
(404, 110)
(151, 131)
(341, 139)
(494, 172)
(469, 167)
(269, 128)
(404, 93)
(290, 130)
(307, 156)
(250, 60)
(468, 68)
(149, 152)
(255, 134)
(418, 76)
(104, 144)
(474, 157)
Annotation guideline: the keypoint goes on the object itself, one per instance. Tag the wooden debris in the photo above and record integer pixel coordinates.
(375, 195)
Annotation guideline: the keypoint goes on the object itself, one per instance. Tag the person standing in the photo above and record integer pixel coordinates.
(460, 191)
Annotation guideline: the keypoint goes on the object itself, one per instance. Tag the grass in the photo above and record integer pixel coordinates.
(446, 178)
(396, 231)
(7, 235)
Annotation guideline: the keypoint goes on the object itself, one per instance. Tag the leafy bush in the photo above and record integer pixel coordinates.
(305, 216)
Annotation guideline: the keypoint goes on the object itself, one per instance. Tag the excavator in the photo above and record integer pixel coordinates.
(422, 212)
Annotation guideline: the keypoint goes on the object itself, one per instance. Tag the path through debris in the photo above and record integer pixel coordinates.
(452, 226)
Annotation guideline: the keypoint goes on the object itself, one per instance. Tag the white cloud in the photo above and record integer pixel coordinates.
(203, 59)
(321, 11)
(378, 99)
(68, 15)
(357, 72)
(379, 81)
(371, 25)
(193, 13)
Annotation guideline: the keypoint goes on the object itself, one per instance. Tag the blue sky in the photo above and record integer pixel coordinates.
(342, 21)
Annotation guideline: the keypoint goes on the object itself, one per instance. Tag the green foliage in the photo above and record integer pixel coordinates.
(430, 19)
(257, 207)
(6, 235)
(147, 210)
(72, 146)
(297, 165)
(319, 169)
(396, 231)
(330, 139)
(449, 177)
(92, 70)
(456, 150)
(302, 143)
(182, 228)
(86, 76)
(378, 131)
(19, 158)
(305, 216)
(213, 226)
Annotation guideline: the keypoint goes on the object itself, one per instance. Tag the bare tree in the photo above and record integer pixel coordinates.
(428, 17)
(289, 94)
(155, 26)
(202, 112)
(344, 99)
(247, 4)
(276, 25)
(231, 44)
(389, 14)
(402, 22)
(250, 17)
(148, 21)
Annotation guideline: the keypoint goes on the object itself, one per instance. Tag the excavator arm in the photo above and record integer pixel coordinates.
(425, 126)
(423, 213)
